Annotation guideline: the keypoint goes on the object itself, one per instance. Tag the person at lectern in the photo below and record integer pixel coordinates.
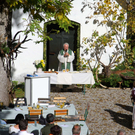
(65, 57)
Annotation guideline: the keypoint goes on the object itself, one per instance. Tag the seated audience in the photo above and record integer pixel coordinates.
(76, 130)
(23, 125)
(50, 123)
(121, 132)
(15, 128)
(56, 130)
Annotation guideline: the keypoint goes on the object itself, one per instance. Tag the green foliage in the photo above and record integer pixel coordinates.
(5, 49)
(43, 10)
(129, 74)
(88, 85)
(113, 80)
(129, 57)
(127, 83)
(19, 93)
(16, 86)
(83, 64)
(133, 55)
(115, 22)
(120, 66)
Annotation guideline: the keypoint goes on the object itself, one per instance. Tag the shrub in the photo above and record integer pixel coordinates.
(129, 74)
(113, 80)
(120, 66)
(127, 83)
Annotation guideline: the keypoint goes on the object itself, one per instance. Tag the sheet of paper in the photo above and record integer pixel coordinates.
(17, 109)
(51, 106)
(64, 125)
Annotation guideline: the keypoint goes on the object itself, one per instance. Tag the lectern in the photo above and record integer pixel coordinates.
(36, 87)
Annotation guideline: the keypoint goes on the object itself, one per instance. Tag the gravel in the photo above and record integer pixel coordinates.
(110, 109)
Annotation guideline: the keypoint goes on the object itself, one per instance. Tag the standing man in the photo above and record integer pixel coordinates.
(65, 57)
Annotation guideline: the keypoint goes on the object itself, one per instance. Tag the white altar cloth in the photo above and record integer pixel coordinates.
(67, 78)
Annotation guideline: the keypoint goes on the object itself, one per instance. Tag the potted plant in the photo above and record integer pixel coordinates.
(39, 64)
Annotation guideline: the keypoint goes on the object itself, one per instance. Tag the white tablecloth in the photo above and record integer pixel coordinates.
(11, 113)
(68, 78)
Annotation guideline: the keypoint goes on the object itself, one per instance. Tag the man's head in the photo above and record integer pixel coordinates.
(23, 124)
(50, 118)
(56, 130)
(76, 130)
(121, 132)
(65, 46)
(18, 118)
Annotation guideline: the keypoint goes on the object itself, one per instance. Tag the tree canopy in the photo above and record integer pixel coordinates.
(114, 21)
(43, 10)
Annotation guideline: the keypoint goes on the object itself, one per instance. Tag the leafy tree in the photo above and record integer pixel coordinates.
(38, 10)
(115, 22)
(43, 10)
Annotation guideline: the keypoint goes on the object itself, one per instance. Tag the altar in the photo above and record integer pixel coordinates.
(69, 78)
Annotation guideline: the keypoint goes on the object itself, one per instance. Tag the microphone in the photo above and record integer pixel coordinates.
(65, 52)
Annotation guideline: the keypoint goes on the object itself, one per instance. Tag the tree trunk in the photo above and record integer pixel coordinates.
(107, 71)
(5, 32)
(122, 3)
(4, 85)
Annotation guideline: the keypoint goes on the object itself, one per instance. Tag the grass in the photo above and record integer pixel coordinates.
(19, 93)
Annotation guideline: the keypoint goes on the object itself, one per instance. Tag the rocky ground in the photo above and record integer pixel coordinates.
(110, 109)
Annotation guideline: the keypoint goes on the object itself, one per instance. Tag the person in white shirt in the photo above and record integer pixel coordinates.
(15, 128)
(23, 125)
(65, 57)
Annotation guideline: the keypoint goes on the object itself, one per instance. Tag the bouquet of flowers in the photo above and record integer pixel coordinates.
(39, 64)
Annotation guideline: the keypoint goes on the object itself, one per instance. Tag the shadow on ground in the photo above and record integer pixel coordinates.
(122, 119)
(55, 88)
(125, 107)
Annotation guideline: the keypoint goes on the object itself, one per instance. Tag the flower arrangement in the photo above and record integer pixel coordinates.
(39, 64)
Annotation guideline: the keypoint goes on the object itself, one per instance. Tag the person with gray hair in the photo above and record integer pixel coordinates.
(76, 130)
(65, 57)
(121, 132)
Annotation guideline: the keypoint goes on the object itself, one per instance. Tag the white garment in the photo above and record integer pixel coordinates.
(24, 133)
(13, 129)
(63, 59)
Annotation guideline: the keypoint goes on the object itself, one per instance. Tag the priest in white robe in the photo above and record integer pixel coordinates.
(65, 57)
